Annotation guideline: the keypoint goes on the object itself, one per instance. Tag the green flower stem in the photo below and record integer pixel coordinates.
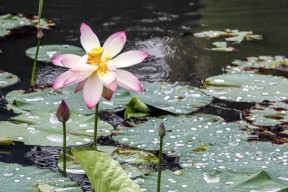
(64, 148)
(160, 164)
(32, 81)
(40, 11)
(96, 125)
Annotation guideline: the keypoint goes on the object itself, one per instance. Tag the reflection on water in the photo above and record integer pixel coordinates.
(155, 27)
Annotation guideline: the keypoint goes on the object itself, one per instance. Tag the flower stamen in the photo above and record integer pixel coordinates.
(95, 55)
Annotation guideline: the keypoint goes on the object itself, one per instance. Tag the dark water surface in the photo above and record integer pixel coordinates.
(155, 26)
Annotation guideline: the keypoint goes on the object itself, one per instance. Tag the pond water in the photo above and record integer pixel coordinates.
(163, 28)
(155, 27)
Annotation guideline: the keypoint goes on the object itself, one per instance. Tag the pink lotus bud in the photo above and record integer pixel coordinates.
(162, 130)
(39, 34)
(63, 112)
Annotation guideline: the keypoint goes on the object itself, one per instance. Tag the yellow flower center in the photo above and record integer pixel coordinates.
(95, 58)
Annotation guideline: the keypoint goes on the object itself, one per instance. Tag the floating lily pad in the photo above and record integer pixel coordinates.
(15, 177)
(11, 22)
(245, 87)
(104, 173)
(48, 99)
(42, 128)
(270, 114)
(47, 52)
(277, 65)
(7, 79)
(173, 98)
(134, 156)
(234, 36)
(193, 180)
(221, 46)
(179, 136)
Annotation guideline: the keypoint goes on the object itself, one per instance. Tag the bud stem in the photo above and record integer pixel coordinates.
(96, 125)
(64, 148)
(160, 164)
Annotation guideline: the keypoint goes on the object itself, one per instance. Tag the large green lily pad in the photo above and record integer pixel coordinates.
(181, 132)
(47, 52)
(7, 79)
(9, 22)
(174, 98)
(204, 142)
(192, 180)
(245, 87)
(270, 114)
(277, 65)
(48, 100)
(15, 177)
(104, 173)
(43, 128)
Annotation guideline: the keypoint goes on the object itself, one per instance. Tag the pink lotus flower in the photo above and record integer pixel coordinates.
(97, 72)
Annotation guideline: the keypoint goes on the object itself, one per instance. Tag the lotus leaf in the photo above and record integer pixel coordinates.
(193, 180)
(9, 22)
(245, 87)
(277, 65)
(173, 98)
(49, 99)
(47, 52)
(270, 114)
(42, 128)
(221, 46)
(7, 79)
(15, 177)
(234, 36)
(104, 173)
(181, 133)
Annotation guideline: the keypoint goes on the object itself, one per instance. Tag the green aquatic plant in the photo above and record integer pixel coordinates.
(39, 37)
(97, 72)
(63, 115)
(162, 133)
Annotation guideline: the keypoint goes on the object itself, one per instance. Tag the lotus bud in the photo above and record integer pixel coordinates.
(162, 130)
(63, 112)
(39, 34)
